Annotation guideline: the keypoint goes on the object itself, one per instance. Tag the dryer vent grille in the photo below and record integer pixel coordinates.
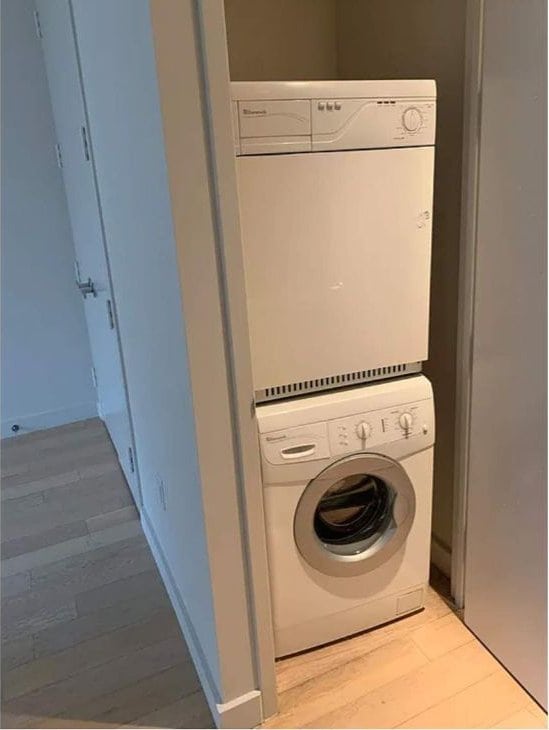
(330, 382)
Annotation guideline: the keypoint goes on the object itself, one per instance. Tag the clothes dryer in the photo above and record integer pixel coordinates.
(335, 187)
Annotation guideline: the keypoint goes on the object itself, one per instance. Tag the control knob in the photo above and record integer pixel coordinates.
(406, 421)
(411, 119)
(363, 430)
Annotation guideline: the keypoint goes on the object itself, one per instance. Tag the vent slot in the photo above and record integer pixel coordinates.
(276, 392)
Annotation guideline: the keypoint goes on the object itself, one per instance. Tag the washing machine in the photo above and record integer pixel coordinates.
(347, 481)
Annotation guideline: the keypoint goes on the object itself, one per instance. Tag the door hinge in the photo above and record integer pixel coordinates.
(94, 377)
(59, 156)
(132, 463)
(110, 314)
(86, 288)
(38, 25)
(85, 143)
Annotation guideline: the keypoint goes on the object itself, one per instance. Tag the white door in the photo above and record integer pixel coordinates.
(75, 156)
(337, 252)
(505, 601)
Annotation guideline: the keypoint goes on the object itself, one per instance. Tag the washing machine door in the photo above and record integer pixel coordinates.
(354, 515)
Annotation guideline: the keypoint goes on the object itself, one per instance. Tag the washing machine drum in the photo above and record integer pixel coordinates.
(354, 515)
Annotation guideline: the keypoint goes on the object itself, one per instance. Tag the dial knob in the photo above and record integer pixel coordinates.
(363, 430)
(411, 119)
(406, 421)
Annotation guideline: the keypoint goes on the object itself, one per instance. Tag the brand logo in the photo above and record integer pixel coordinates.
(254, 112)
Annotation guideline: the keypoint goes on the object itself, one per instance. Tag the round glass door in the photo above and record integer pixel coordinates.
(354, 515)
(352, 512)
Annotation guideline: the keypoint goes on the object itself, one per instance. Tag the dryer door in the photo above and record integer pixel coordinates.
(354, 515)
(332, 241)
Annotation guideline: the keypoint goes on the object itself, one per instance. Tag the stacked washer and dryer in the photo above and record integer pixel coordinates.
(335, 187)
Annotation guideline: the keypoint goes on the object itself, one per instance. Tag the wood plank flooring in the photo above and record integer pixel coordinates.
(423, 671)
(89, 638)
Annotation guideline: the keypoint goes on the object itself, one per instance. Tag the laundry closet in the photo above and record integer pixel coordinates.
(372, 40)
(474, 358)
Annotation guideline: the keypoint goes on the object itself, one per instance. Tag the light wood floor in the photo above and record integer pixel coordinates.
(89, 638)
(424, 671)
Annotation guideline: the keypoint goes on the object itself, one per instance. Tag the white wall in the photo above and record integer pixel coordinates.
(425, 39)
(171, 332)
(46, 362)
(120, 89)
(286, 39)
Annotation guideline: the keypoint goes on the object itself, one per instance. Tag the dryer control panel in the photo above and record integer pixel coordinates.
(277, 117)
(372, 123)
(324, 125)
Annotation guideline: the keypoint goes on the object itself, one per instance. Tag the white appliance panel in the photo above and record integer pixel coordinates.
(337, 251)
(274, 118)
(370, 123)
(317, 125)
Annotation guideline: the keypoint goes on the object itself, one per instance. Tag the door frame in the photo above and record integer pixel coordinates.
(466, 291)
(216, 90)
(210, 33)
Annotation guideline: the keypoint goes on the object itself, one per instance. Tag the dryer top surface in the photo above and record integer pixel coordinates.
(367, 88)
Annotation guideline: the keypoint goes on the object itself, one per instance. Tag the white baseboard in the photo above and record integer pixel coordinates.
(441, 557)
(242, 712)
(48, 419)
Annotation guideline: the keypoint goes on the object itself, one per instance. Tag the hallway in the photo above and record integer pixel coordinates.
(89, 638)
